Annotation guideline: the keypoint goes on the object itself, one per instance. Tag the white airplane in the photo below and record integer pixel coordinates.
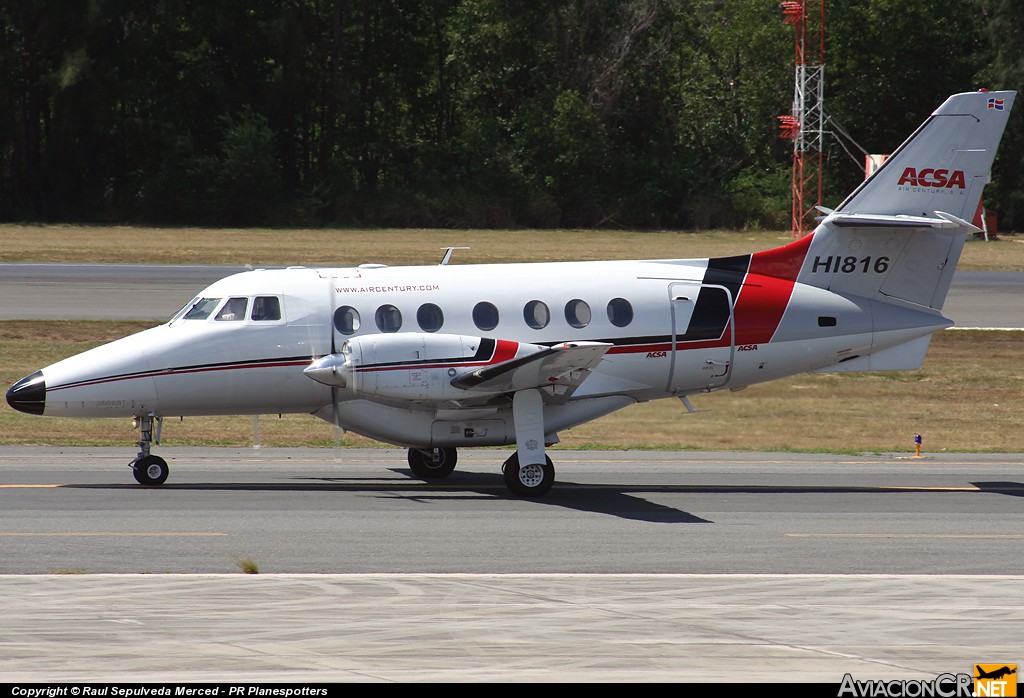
(435, 358)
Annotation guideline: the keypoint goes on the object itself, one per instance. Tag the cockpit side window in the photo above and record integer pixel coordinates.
(233, 310)
(202, 308)
(266, 308)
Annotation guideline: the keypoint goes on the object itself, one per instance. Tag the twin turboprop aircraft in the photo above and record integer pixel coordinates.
(437, 358)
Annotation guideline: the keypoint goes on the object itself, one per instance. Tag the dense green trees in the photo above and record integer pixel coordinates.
(462, 112)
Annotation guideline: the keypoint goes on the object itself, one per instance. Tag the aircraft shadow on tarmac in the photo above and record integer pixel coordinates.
(1013, 489)
(623, 501)
(612, 500)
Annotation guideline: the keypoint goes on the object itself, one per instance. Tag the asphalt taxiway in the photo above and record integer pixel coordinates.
(339, 510)
(638, 566)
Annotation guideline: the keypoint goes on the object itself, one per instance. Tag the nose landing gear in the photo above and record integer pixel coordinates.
(149, 470)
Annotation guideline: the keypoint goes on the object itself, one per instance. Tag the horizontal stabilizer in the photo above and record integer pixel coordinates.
(869, 220)
(560, 368)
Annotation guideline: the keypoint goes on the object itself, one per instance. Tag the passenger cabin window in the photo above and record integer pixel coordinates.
(537, 315)
(389, 318)
(234, 310)
(429, 317)
(485, 316)
(202, 308)
(577, 313)
(346, 319)
(266, 308)
(620, 312)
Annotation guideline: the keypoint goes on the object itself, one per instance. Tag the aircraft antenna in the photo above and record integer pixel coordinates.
(806, 125)
(448, 254)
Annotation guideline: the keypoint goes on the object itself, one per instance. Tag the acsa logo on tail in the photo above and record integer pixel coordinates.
(929, 177)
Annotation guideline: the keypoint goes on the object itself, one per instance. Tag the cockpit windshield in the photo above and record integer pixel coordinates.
(201, 308)
(188, 306)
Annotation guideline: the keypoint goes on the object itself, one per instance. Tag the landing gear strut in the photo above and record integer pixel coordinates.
(149, 470)
(534, 478)
(432, 463)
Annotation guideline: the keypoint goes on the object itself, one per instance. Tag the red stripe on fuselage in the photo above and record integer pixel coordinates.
(766, 291)
(179, 371)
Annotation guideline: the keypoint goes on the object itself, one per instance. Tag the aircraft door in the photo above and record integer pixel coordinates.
(703, 337)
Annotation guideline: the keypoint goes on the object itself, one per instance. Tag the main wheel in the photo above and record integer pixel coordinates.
(432, 463)
(150, 471)
(533, 480)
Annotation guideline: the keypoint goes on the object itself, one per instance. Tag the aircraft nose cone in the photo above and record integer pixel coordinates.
(29, 394)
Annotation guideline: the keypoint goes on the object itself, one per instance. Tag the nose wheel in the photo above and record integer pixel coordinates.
(150, 471)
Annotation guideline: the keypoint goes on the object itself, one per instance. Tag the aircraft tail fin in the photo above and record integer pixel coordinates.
(943, 165)
(899, 235)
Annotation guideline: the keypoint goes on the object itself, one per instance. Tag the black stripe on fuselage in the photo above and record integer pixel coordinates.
(713, 308)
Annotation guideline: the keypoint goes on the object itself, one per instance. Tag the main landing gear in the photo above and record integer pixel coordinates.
(149, 470)
(432, 463)
(531, 480)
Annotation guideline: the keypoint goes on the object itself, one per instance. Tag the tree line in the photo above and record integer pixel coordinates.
(465, 113)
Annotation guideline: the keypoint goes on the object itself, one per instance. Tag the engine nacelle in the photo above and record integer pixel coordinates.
(413, 365)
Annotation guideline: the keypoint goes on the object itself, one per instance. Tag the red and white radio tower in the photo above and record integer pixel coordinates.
(806, 126)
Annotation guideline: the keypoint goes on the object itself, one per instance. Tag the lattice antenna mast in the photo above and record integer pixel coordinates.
(806, 125)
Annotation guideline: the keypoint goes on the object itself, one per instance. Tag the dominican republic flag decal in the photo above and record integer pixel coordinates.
(994, 103)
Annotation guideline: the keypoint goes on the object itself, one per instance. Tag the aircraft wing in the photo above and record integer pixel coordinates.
(560, 368)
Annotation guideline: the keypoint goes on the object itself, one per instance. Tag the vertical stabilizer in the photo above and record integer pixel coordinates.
(943, 166)
(899, 235)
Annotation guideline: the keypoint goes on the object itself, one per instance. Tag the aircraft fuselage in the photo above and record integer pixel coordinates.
(676, 327)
